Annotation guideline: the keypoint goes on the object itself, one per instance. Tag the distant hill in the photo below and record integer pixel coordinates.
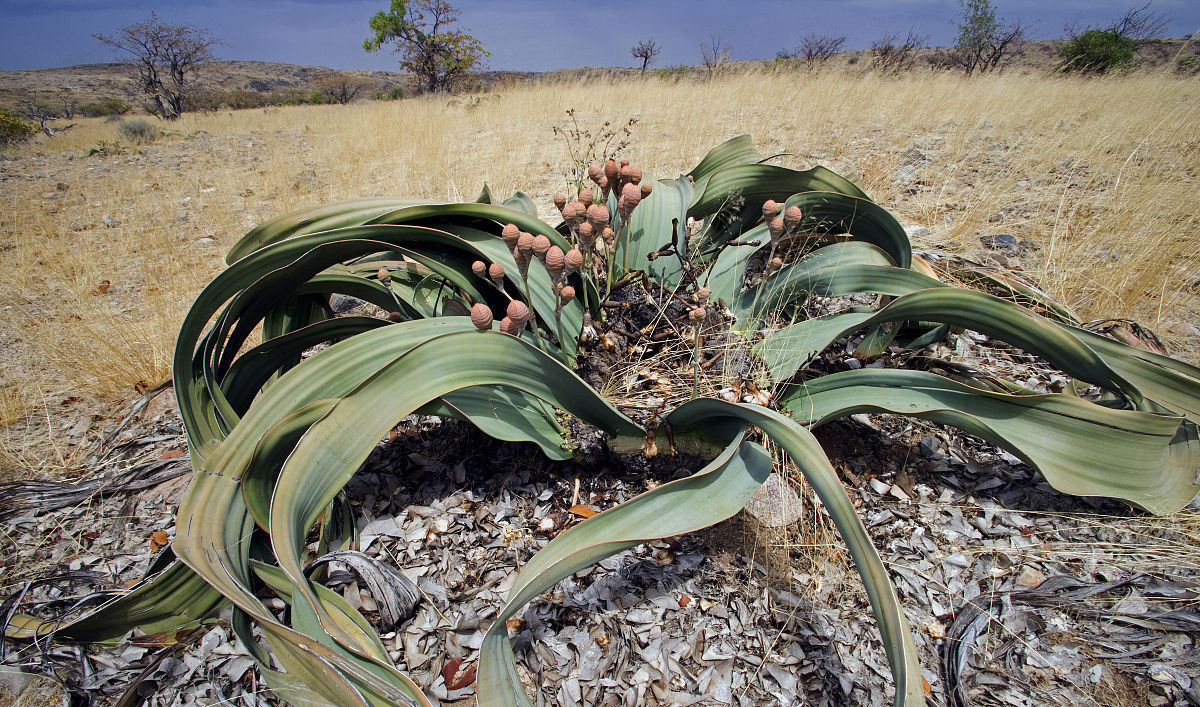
(94, 82)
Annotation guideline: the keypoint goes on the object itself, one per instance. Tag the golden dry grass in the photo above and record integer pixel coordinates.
(1099, 172)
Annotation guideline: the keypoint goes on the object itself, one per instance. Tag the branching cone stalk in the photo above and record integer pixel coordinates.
(481, 316)
(587, 236)
(522, 262)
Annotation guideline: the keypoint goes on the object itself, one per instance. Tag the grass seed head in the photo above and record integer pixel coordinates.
(481, 316)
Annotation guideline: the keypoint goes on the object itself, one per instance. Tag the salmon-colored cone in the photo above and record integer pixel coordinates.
(573, 260)
(510, 233)
(586, 197)
(560, 200)
(496, 274)
(525, 244)
(770, 210)
(775, 227)
(567, 294)
(518, 314)
(481, 316)
(597, 215)
(791, 217)
(507, 326)
(595, 172)
(702, 295)
(479, 268)
(647, 187)
(775, 264)
(541, 245)
(556, 262)
(383, 274)
(635, 173)
(697, 315)
(612, 170)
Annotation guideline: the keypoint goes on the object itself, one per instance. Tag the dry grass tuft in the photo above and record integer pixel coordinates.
(1098, 172)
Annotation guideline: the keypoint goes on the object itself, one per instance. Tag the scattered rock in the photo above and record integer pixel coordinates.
(775, 503)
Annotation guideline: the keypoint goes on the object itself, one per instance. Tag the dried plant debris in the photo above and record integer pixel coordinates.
(1006, 583)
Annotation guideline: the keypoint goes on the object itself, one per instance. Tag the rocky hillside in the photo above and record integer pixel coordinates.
(94, 82)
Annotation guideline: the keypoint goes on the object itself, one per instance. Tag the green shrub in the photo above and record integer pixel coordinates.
(13, 130)
(1098, 51)
(394, 94)
(137, 130)
(107, 107)
(673, 73)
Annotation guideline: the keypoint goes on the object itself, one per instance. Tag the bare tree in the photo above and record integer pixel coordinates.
(715, 54)
(166, 59)
(892, 55)
(645, 50)
(1141, 24)
(814, 49)
(342, 87)
(42, 112)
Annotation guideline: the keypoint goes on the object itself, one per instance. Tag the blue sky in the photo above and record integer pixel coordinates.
(528, 34)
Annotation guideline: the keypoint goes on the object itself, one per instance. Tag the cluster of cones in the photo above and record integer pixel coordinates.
(525, 247)
(589, 218)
